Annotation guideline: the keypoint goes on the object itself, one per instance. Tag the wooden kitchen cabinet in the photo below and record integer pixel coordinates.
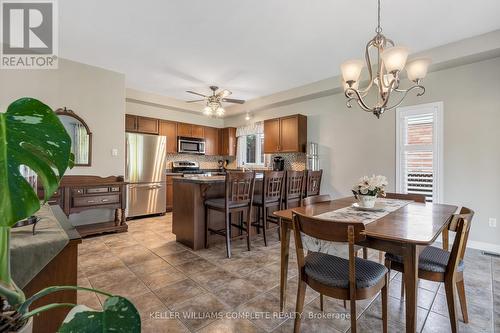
(285, 135)
(169, 129)
(198, 131)
(130, 123)
(141, 124)
(227, 141)
(170, 193)
(271, 135)
(190, 130)
(184, 129)
(211, 141)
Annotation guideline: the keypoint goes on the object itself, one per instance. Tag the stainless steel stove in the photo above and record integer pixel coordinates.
(186, 167)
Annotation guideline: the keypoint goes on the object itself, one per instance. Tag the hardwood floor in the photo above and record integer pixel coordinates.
(168, 283)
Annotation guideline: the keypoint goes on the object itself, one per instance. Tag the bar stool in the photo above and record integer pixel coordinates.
(239, 187)
(294, 184)
(313, 183)
(271, 196)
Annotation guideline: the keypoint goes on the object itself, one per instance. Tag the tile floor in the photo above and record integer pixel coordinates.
(168, 283)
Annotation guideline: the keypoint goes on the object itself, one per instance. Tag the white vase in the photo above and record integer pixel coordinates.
(367, 201)
(28, 327)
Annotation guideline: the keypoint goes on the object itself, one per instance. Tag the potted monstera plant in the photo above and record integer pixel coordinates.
(32, 135)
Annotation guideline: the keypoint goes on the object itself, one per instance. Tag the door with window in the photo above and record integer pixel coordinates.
(419, 142)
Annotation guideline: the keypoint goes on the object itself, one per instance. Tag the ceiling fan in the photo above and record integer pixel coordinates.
(214, 101)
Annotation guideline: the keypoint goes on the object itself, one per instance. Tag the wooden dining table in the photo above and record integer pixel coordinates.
(405, 232)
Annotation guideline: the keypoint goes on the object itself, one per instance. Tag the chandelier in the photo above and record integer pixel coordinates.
(391, 61)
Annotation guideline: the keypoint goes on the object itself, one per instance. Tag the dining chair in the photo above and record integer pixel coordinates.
(294, 182)
(441, 265)
(313, 183)
(316, 199)
(346, 279)
(271, 196)
(239, 188)
(325, 198)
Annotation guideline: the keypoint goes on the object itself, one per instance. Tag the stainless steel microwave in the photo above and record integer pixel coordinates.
(191, 145)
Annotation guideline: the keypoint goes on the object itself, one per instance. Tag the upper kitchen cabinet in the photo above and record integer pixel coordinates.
(184, 130)
(141, 124)
(169, 129)
(198, 131)
(190, 130)
(227, 141)
(211, 140)
(285, 135)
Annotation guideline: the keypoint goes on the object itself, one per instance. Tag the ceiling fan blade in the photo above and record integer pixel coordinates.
(196, 100)
(195, 93)
(232, 100)
(224, 93)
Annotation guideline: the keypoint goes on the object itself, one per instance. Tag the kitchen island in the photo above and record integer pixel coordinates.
(188, 213)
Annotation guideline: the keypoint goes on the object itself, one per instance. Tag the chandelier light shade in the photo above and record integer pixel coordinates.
(417, 69)
(391, 61)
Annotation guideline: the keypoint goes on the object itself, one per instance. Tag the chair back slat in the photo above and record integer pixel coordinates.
(294, 184)
(313, 186)
(239, 187)
(410, 196)
(465, 214)
(316, 199)
(273, 185)
(333, 231)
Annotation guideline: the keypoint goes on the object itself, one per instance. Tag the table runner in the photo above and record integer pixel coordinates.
(349, 214)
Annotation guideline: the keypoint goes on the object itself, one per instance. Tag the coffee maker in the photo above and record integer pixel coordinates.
(278, 163)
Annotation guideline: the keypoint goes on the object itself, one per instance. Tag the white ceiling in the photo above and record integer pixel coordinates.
(252, 47)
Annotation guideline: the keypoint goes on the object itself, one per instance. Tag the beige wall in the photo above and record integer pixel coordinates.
(95, 94)
(161, 107)
(353, 143)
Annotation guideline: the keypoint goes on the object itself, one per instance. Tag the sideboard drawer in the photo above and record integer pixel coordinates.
(96, 200)
(94, 190)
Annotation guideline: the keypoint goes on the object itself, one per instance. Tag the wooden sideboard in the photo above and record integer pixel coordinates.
(60, 271)
(79, 193)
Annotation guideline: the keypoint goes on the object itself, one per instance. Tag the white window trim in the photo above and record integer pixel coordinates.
(438, 145)
(258, 152)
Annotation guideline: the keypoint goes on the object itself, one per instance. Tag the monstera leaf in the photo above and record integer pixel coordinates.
(118, 315)
(31, 134)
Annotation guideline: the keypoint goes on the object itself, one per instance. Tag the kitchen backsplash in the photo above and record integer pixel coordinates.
(293, 161)
(206, 162)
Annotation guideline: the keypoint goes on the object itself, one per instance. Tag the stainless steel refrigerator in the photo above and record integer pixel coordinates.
(145, 173)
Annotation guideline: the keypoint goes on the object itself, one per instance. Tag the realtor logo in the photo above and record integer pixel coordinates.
(29, 34)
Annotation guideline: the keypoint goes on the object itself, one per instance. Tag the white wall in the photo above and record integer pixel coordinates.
(95, 94)
(354, 143)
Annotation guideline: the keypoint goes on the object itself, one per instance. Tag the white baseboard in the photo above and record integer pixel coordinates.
(483, 246)
(488, 247)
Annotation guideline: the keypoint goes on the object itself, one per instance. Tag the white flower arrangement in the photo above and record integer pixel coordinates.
(373, 186)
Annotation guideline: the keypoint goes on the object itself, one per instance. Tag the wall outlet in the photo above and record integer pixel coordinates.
(114, 152)
(493, 222)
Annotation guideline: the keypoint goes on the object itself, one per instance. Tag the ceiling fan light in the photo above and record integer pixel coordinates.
(220, 111)
(417, 68)
(224, 93)
(394, 58)
(207, 110)
(351, 70)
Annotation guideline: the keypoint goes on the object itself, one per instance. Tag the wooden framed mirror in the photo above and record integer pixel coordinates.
(81, 137)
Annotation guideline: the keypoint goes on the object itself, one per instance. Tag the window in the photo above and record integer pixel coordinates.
(253, 148)
(419, 134)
